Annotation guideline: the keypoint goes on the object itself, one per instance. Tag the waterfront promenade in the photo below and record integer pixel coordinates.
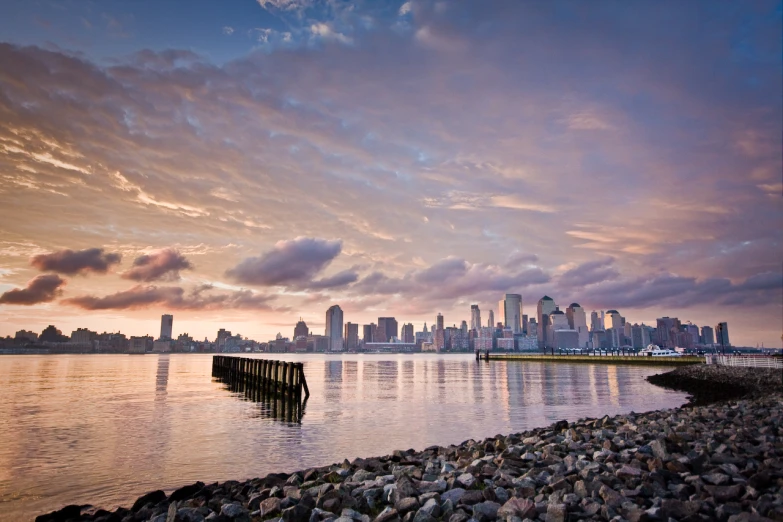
(596, 359)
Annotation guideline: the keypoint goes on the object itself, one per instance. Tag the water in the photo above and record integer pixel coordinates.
(104, 429)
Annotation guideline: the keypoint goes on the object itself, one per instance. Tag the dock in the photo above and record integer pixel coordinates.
(280, 385)
(597, 359)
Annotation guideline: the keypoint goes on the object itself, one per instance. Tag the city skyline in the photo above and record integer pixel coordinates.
(272, 159)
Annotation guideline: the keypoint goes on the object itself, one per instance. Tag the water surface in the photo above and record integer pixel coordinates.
(104, 429)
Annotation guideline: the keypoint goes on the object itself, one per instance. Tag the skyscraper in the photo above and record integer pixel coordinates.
(491, 322)
(369, 331)
(707, 335)
(577, 320)
(615, 322)
(475, 317)
(440, 339)
(546, 305)
(351, 336)
(722, 335)
(407, 333)
(387, 328)
(595, 322)
(668, 328)
(510, 310)
(166, 326)
(464, 327)
(334, 328)
(301, 329)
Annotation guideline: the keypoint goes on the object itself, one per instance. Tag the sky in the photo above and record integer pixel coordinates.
(244, 163)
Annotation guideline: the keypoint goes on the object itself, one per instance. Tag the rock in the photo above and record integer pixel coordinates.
(610, 497)
(185, 492)
(678, 509)
(724, 493)
(580, 488)
(388, 515)
(501, 495)
(404, 489)
(406, 504)
(189, 515)
(466, 480)
(658, 448)
(453, 494)
(471, 497)
(517, 507)
(297, 513)
(556, 513)
(717, 479)
(233, 511)
(270, 507)
(627, 472)
(61, 515)
(153, 497)
(431, 507)
(486, 511)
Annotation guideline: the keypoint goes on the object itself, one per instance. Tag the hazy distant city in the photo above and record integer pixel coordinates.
(549, 329)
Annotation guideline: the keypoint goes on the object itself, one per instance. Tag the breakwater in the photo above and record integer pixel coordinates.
(597, 359)
(719, 462)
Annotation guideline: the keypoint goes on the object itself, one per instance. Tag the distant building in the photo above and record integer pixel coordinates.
(491, 321)
(24, 335)
(485, 339)
(387, 328)
(141, 344)
(440, 334)
(334, 328)
(318, 343)
(615, 328)
(391, 347)
(693, 331)
(566, 339)
(722, 334)
(162, 346)
(475, 317)
(369, 333)
(524, 323)
(510, 310)
(83, 336)
(301, 329)
(707, 336)
(222, 335)
(51, 334)
(598, 338)
(640, 336)
(546, 305)
(166, 326)
(666, 331)
(351, 336)
(595, 321)
(577, 320)
(407, 333)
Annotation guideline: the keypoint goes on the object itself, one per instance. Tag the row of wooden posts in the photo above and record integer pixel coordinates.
(280, 384)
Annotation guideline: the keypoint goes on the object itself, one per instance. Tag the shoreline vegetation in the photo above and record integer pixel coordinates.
(719, 457)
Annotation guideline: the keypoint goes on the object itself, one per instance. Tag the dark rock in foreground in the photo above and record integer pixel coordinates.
(709, 383)
(719, 462)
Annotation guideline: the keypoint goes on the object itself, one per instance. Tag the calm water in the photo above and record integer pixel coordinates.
(103, 429)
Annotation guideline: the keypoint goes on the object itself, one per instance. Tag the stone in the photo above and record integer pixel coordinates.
(610, 497)
(486, 511)
(725, 493)
(66, 513)
(153, 497)
(185, 492)
(406, 504)
(297, 513)
(388, 515)
(270, 507)
(556, 513)
(717, 479)
(626, 472)
(453, 494)
(233, 511)
(431, 507)
(466, 480)
(471, 497)
(517, 507)
(678, 509)
(658, 448)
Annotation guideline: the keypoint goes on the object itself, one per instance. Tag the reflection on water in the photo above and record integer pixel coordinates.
(103, 429)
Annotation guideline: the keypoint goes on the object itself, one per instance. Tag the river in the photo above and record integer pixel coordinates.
(104, 429)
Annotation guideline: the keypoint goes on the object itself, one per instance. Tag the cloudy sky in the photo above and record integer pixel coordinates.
(240, 164)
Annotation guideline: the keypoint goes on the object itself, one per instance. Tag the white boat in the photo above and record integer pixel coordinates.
(656, 351)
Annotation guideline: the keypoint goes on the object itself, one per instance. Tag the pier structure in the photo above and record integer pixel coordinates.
(280, 385)
(597, 359)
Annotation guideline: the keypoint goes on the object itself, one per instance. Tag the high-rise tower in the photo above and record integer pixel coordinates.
(546, 305)
(334, 328)
(475, 317)
(510, 311)
(166, 326)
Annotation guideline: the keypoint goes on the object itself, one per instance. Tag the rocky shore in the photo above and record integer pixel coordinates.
(711, 383)
(720, 462)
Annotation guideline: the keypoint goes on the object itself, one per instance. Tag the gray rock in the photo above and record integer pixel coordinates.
(297, 513)
(431, 507)
(466, 480)
(406, 504)
(233, 511)
(388, 515)
(486, 511)
(556, 513)
(453, 494)
(517, 507)
(610, 497)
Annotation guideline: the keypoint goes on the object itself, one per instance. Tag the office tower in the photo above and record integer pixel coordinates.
(615, 328)
(577, 320)
(301, 329)
(510, 310)
(524, 323)
(369, 331)
(546, 305)
(464, 327)
(640, 336)
(166, 326)
(351, 336)
(475, 317)
(692, 330)
(387, 328)
(407, 333)
(440, 335)
(707, 336)
(222, 336)
(722, 335)
(334, 328)
(668, 328)
(491, 322)
(603, 321)
(595, 322)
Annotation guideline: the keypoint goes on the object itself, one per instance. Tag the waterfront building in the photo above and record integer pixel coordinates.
(510, 310)
(428, 347)
(407, 333)
(692, 330)
(475, 317)
(528, 343)
(640, 336)
(391, 347)
(615, 328)
(599, 340)
(666, 332)
(524, 323)
(595, 321)
(506, 343)
(440, 334)
(164, 345)
(603, 321)
(222, 335)
(369, 333)
(166, 326)
(484, 341)
(464, 327)
(334, 328)
(577, 320)
(565, 339)
(25, 336)
(141, 344)
(83, 336)
(546, 305)
(532, 327)
(317, 343)
(351, 336)
(387, 328)
(491, 321)
(707, 336)
(301, 329)
(722, 335)
(51, 334)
